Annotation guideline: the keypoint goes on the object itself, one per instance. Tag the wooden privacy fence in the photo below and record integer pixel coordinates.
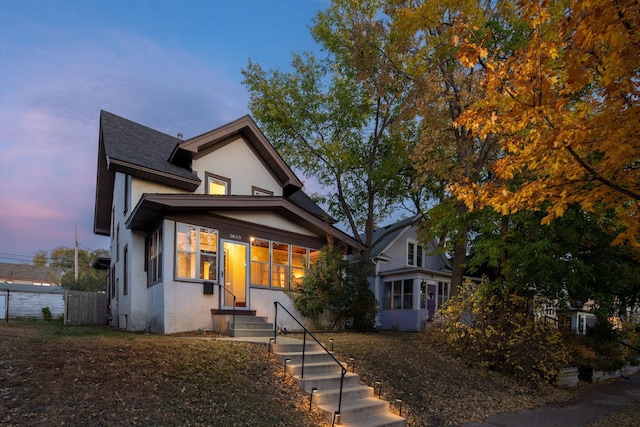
(85, 308)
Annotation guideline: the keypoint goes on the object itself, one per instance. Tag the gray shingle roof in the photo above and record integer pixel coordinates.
(388, 233)
(139, 145)
(28, 272)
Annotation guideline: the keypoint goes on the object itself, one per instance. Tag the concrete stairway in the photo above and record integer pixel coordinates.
(321, 372)
(246, 325)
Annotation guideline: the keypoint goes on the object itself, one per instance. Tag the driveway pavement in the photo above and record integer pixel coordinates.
(605, 399)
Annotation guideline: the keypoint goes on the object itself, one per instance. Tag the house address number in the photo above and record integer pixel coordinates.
(235, 236)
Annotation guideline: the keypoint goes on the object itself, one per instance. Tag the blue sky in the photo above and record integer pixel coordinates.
(174, 66)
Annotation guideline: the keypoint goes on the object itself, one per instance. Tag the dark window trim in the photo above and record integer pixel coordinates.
(127, 191)
(264, 192)
(125, 269)
(208, 175)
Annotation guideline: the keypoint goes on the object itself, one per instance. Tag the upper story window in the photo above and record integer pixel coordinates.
(218, 185)
(415, 254)
(255, 191)
(127, 193)
(196, 252)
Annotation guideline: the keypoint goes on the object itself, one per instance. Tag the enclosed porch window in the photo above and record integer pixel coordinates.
(398, 295)
(279, 265)
(196, 252)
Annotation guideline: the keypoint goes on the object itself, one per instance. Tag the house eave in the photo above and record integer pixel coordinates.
(153, 207)
(152, 175)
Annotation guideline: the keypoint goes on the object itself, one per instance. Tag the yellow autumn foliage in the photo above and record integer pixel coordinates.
(565, 110)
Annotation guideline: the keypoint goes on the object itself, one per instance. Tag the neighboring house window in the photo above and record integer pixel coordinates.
(443, 293)
(155, 257)
(218, 185)
(398, 295)
(113, 215)
(127, 193)
(279, 265)
(414, 254)
(411, 253)
(118, 243)
(260, 192)
(125, 269)
(196, 252)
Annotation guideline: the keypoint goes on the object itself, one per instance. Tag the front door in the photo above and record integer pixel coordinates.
(234, 275)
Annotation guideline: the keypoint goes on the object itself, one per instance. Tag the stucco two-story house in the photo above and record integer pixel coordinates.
(215, 222)
(411, 280)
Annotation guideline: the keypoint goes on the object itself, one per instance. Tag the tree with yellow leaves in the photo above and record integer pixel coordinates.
(565, 110)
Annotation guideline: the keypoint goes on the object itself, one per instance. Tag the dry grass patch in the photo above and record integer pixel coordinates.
(436, 389)
(118, 379)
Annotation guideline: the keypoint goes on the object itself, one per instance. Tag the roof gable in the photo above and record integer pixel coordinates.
(383, 237)
(246, 128)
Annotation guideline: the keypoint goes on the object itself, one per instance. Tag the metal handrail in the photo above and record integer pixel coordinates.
(304, 347)
(233, 319)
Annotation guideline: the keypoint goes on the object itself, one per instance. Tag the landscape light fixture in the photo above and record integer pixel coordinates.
(285, 367)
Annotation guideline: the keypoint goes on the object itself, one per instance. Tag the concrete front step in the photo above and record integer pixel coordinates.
(355, 409)
(254, 325)
(240, 333)
(309, 357)
(321, 397)
(323, 367)
(290, 347)
(326, 381)
(379, 420)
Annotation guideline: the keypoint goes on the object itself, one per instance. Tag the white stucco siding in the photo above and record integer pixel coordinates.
(269, 220)
(140, 187)
(262, 301)
(187, 308)
(239, 163)
(137, 282)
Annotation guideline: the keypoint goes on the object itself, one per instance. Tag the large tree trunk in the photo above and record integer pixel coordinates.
(459, 253)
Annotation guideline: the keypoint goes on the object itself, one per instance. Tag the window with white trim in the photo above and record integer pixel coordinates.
(218, 185)
(443, 293)
(196, 252)
(415, 254)
(398, 295)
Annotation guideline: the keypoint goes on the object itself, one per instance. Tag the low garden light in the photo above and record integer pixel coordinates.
(284, 372)
(311, 396)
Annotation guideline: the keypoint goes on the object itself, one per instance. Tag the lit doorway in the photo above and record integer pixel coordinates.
(234, 275)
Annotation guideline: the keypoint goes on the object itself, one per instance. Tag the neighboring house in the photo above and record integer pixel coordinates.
(27, 301)
(27, 274)
(411, 281)
(220, 208)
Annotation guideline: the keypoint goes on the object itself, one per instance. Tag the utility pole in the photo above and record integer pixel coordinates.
(75, 256)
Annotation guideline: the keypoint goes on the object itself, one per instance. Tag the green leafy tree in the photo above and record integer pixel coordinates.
(337, 286)
(89, 279)
(40, 258)
(570, 259)
(346, 120)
